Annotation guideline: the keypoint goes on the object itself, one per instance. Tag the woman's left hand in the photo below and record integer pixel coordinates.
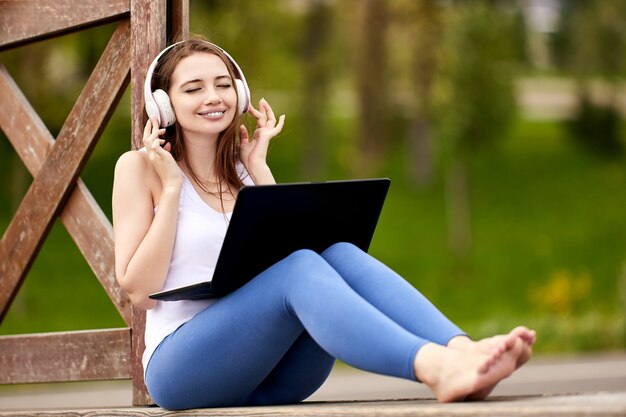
(253, 151)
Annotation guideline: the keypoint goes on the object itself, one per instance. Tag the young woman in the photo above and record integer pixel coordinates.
(273, 341)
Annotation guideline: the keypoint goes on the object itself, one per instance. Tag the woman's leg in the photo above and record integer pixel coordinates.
(390, 293)
(300, 373)
(222, 355)
(396, 298)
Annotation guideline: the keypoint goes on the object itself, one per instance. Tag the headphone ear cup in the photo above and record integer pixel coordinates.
(242, 95)
(166, 112)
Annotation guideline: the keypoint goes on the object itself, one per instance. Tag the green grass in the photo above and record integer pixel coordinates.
(60, 293)
(548, 230)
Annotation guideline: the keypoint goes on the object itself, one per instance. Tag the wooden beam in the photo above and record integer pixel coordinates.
(148, 38)
(77, 138)
(92, 232)
(20, 123)
(140, 392)
(69, 356)
(23, 21)
(148, 26)
(82, 217)
(180, 18)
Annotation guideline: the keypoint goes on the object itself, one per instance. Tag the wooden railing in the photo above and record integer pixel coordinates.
(57, 190)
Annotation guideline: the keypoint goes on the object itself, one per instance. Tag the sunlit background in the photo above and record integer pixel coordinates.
(500, 124)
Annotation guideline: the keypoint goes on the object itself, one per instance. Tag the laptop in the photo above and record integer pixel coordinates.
(269, 222)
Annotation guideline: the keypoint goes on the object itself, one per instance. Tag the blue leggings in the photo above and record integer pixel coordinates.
(275, 340)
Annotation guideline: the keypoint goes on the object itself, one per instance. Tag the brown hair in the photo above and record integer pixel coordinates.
(225, 164)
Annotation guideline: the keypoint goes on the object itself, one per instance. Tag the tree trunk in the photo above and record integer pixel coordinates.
(458, 208)
(426, 35)
(421, 151)
(316, 79)
(371, 85)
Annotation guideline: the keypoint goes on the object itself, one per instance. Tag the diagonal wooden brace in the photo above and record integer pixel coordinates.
(82, 217)
(58, 174)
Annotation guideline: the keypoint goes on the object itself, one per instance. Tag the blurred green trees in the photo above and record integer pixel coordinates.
(593, 50)
(475, 101)
(430, 94)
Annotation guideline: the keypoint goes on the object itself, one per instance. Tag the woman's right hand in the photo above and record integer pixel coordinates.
(160, 156)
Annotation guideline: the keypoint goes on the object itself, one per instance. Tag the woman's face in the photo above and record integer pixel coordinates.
(202, 94)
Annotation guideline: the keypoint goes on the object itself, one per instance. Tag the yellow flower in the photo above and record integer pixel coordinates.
(562, 292)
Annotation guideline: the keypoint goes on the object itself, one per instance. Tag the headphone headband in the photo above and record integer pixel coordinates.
(157, 103)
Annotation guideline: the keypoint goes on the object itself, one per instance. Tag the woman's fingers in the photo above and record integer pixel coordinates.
(243, 135)
(157, 143)
(151, 135)
(281, 123)
(264, 114)
(269, 113)
(267, 126)
(146, 133)
(146, 129)
(257, 115)
(275, 130)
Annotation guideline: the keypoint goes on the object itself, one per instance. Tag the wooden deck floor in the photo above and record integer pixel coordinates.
(587, 385)
(584, 404)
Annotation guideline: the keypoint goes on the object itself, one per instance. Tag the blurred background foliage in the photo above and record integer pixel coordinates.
(500, 124)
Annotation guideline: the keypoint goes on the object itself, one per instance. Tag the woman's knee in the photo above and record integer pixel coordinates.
(304, 259)
(341, 250)
(308, 267)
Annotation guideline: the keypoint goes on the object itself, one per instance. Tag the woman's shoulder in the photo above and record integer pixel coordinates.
(132, 161)
(134, 176)
(135, 170)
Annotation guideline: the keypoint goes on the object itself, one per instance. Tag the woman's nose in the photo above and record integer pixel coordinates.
(212, 96)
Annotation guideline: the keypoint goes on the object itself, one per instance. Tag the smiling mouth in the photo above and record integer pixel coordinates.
(212, 114)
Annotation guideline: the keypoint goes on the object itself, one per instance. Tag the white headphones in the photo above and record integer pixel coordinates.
(158, 103)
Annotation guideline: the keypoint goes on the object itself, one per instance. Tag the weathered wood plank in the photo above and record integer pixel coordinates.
(140, 392)
(70, 356)
(148, 27)
(92, 232)
(578, 405)
(23, 21)
(180, 18)
(57, 176)
(148, 38)
(82, 217)
(21, 124)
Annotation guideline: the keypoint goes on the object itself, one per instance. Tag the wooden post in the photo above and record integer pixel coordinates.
(149, 35)
(57, 189)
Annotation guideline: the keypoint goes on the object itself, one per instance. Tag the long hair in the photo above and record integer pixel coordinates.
(227, 155)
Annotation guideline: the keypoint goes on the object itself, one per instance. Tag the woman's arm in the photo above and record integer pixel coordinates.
(253, 151)
(144, 239)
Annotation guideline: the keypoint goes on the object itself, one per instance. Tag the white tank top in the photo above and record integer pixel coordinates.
(199, 235)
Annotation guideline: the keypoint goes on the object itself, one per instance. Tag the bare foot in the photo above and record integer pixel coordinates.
(529, 337)
(513, 354)
(490, 345)
(455, 374)
(499, 344)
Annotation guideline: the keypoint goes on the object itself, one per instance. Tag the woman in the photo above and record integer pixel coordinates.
(274, 340)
